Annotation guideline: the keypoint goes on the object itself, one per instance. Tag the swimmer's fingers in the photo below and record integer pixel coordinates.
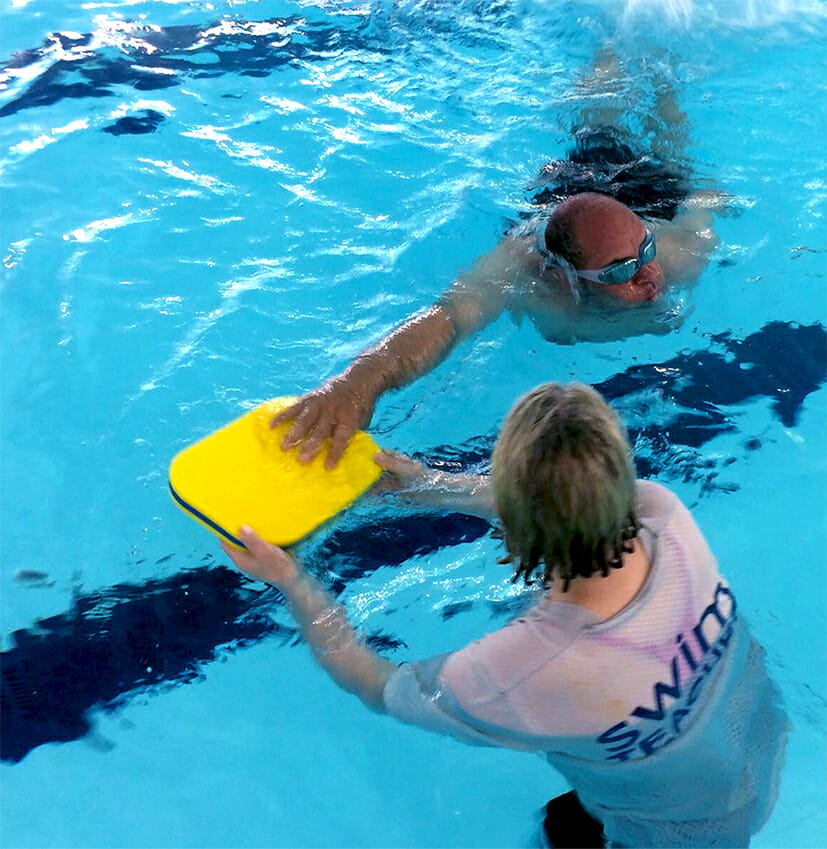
(342, 433)
(287, 413)
(334, 411)
(315, 436)
(304, 421)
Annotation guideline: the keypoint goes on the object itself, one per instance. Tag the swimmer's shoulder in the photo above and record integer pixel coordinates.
(525, 245)
(503, 270)
(495, 283)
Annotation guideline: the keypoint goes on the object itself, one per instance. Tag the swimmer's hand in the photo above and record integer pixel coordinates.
(334, 411)
(263, 561)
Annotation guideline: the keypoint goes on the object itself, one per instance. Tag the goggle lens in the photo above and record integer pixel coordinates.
(622, 272)
(625, 270)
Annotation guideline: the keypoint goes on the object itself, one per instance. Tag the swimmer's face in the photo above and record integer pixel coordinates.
(611, 235)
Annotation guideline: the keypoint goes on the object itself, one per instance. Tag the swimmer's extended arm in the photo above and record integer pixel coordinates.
(435, 490)
(345, 402)
(320, 618)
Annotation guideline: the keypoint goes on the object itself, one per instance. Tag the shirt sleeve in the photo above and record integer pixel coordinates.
(414, 695)
(481, 693)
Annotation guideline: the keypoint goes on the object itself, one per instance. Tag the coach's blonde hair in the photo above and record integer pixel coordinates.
(564, 484)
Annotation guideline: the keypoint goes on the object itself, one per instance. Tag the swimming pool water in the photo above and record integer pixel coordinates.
(204, 205)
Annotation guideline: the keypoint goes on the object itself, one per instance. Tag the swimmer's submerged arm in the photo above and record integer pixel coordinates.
(459, 493)
(450, 492)
(322, 621)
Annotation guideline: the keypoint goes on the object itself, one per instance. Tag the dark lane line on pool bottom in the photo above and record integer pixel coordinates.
(132, 639)
(149, 58)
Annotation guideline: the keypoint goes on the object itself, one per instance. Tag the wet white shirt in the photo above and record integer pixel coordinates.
(662, 717)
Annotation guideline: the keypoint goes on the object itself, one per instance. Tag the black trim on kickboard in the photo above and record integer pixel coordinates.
(202, 518)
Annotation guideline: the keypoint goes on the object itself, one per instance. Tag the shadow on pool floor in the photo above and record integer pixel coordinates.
(120, 641)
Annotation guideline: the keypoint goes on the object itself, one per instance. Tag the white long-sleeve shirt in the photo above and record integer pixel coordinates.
(662, 717)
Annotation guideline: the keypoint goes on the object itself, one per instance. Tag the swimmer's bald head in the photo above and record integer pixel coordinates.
(573, 215)
(591, 231)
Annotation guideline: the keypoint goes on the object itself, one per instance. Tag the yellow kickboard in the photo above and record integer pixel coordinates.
(239, 475)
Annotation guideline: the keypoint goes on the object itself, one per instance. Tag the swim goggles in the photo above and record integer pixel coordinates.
(625, 269)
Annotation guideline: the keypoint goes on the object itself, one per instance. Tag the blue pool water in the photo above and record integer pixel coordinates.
(208, 204)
